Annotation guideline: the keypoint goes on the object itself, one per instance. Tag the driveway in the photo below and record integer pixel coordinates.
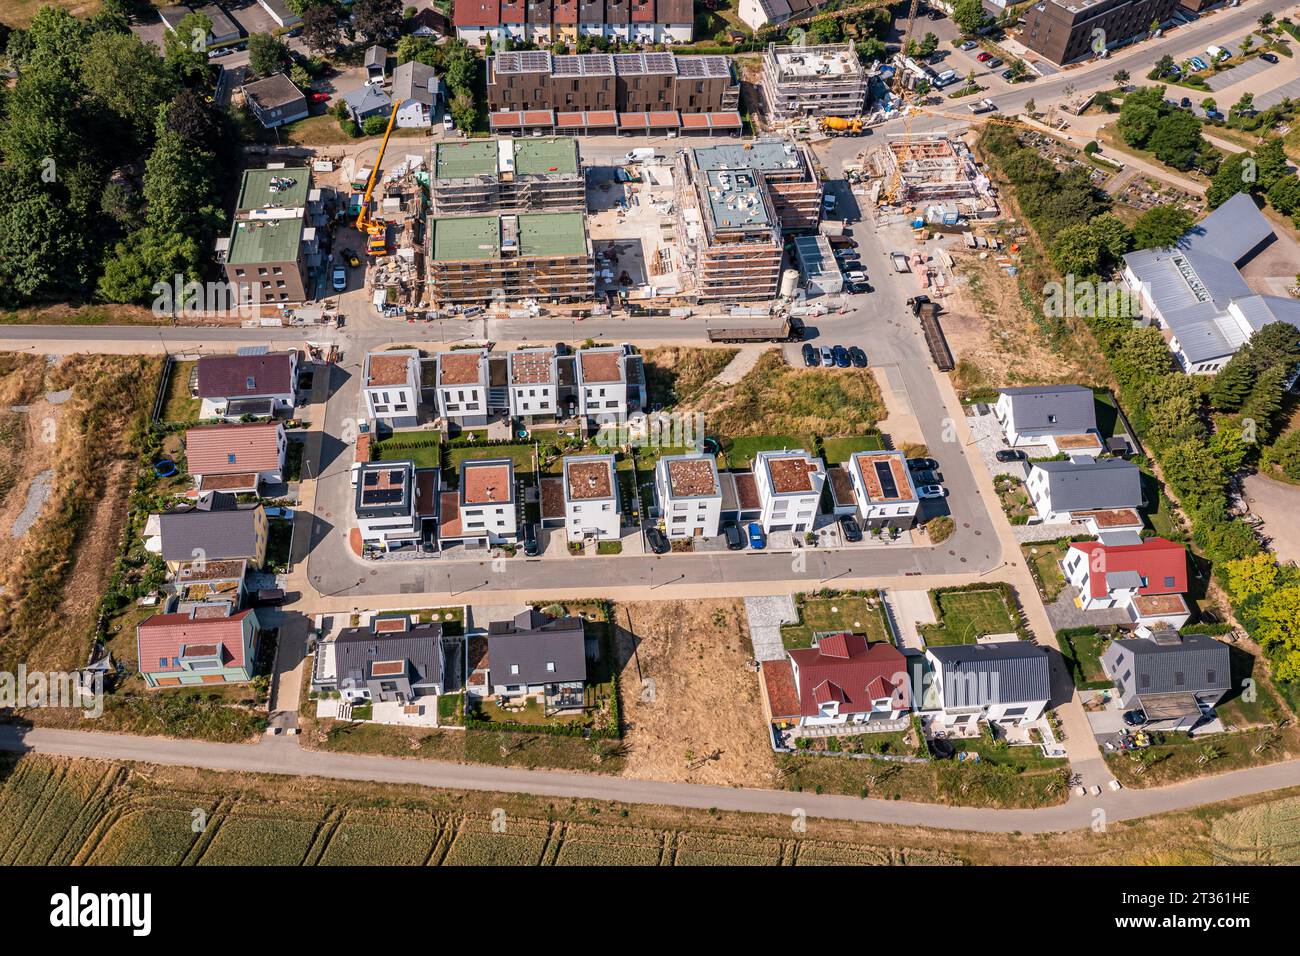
(1279, 505)
(766, 615)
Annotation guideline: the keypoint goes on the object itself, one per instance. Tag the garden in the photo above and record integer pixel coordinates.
(963, 616)
(853, 612)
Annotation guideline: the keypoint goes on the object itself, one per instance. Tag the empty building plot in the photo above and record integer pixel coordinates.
(507, 175)
(814, 81)
(503, 257)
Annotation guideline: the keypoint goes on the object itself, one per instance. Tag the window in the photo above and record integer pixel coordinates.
(1179, 679)
(1209, 677)
(1169, 580)
(1015, 711)
(550, 667)
(514, 668)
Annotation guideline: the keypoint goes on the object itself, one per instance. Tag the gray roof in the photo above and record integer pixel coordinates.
(368, 100)
(1092, 485)
(420, 645)
(1202, 663)
(376, 56)
(414, 80)
(1231, 232)
(276, 90)
(532, 640)
(1072, 407)
(999, 672)
(215, 535)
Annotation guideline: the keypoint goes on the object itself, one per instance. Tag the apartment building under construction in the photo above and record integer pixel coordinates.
(824, 80)
(507, 175)
(932, 169)
(496, 257)
(736, 204)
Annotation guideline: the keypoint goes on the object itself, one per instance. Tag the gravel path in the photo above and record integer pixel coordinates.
(766, 615)
(37, 492)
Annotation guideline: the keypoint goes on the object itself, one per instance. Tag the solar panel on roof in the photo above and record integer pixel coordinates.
(371, 478)
(885, 475)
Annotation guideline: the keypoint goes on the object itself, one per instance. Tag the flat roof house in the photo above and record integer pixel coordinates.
(535, 655)
(484, 511)
(275, 100)
(844, 681)
(273, 245)
(883, 489)
(1002, 682)
(828, 80)
(1063, 418)
(206, 645)
(1063, 31)
(392, 502)
(390, 659)
(1062, 490)
(232, 386)
(461, 386)
(533, 174)
(1195, 292)
(214, 529)
(603, 384)
(592, 504)
(280, 12)
(690, 495)
(415, 86)
(789, 489)
(534, 384)
(1175, 680)
(1145, 576)
(235, 458)
(391, 386)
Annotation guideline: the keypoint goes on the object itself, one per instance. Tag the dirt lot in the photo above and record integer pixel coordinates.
(690, 699)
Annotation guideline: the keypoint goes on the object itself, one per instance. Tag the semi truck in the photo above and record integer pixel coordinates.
(927, 311)
(780, 329)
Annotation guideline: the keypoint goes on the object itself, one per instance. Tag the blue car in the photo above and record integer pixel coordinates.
(757, 538)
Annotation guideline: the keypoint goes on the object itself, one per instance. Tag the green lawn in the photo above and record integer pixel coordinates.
(1082, 653)
(178, 405)
(849, 613)
(1044, 560)
(839, 450)
(966, 616)
(451, 618)
(521, 455)
(279, 536)
(1159, 510)
(530, 713)
(1014, 499)
(1236, 710)
(738, 453)
(423, 449)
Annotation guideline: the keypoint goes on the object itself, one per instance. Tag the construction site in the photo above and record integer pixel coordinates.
(827, 80)
(935, 176)
(507, 175)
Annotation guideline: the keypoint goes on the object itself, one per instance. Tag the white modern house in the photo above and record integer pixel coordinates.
(484, 511)
(603, 384)
(690, 495)
(387, 504)
(1062, 490)
(533, 379)
(1147, 577)
(391, 386)
(1002, 682)
(591, 500)
(882, 486)
(461, 386)
(789, 489)
(1061, 418)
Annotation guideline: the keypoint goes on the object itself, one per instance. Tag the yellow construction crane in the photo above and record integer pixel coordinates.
(376, 230)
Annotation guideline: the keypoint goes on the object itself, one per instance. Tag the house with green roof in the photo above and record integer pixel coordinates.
(494, 257)
(538, 174)
(272, 244)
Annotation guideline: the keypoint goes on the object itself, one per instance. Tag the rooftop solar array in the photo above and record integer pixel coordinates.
(699, 67)
(523, 61)
(885, 475)
(586, 64)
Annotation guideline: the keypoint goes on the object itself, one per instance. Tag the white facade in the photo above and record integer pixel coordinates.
(488, 509)
(281, 401)
(396, 404)
(460, 399)
(602, 395)
(689, 510)
(945, 713)
(875, 507)
(787, 501)
(385, 524)
(413, 115)
(533, 394)
(591, 500)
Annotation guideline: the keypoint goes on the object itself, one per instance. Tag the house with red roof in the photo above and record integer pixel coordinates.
(235, 458)
(1147, 577)
(205, 644)
(842, 681)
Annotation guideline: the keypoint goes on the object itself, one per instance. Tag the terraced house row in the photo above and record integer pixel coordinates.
(548, 21)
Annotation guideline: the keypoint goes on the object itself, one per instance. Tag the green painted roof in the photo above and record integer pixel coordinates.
(456, 238)
(554, 156)
(273, 240)
(476, 157)
(552, 234)
(255, 192)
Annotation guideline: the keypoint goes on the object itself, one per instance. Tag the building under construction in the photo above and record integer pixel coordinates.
(736, 204)
(929, 169)
(824, 80)
(507, 175)
(481, 259)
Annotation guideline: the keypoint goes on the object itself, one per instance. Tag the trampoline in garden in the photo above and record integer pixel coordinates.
(164, 468)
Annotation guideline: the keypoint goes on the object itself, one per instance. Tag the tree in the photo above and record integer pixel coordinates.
(1244, 104)
(1017, 69)
(379, 20)
(1193, 471)
(1209, 104)
(1248, 577)
(1121, 77)
(1232, 444)
(185, 49)
(929, 44)
(1137, 121)
(126, 78)
(1161, 226)
(968, 15)
(1176, 139)
(1265, 401)
(1172, 407)
(1276, 344)
(1231, 385)
(825, 29)
(1265, 20)
(1233, 176)
(320, 28)
(1285, 454)
(1285, 195)
(1143, 354)
(1271, 164)
(1164, 66)
(1279, 635)
(464, 112)
(267, 55)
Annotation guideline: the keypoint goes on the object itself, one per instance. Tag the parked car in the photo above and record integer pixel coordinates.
(922, 464)
(810, 357)
(340, 280)
(858, 357)
(320, 97)
(532, 548)
(995, 63)
(841, 355)
(984, 56)
(857, 275)
(968, 45)
(448, 123)
(658, 541)
(350, 257)
(1010, 454)
(1268, 57)
(269, 597)
(757, 536)
(931, 491)
(850, 529)
(926, 478)
(1135, 718)
(828, 357)
(1185, 102)
(1008, 74)
(735, 540)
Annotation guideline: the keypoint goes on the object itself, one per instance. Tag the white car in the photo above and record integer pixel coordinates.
(931, 491)
(447, 123)
(340, 280)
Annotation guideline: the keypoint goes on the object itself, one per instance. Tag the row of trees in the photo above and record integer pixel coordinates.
(1148, 121)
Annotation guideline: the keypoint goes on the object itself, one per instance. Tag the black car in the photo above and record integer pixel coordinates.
(1268, 57)
(852, 532)
(735, 538)
(810, 356)
(1135, 718)
(1010, 454)
(858, 357)
(269, 597)
(841, 356)
(531, 547)
(658, 541)
(1007, 74)
(922, 464)
(1185, 103)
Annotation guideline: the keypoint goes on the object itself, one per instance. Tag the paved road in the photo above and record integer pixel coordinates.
(284, 756)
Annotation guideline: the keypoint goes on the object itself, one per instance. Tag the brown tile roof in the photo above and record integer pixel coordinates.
(691, 478)
(778, 682)
(530, 368)
(601, 366)
(791, 475)
(459, 368)
(387, 668)
(388, 369)
(552, 497)
(590, 480)
(232, 449)
(449, 519)
(487, 483)
(363, 447)
(866, 463)
(163, 636)
(747, 491)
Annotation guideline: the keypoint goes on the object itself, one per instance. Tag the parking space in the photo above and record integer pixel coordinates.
(1227, 78)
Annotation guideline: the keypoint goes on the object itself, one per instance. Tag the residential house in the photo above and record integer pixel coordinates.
(461, 386)
(376, 64)
(609, 384)
(883, 489)
(211, 583)
(392, 387)
(1175, 680)
(1060, 490)
(275, 100)
(1061, 418)
(1145, 576)
(789, 489)
(391, 503)
(544, 22)
(844, 680)
(223, 29)
(235, 458)
(273, 249)
(391, 658)
(592, 504)
(690, 495)
(280, 12)
(206, 645)
(415, 87)
(534, 384)
(535, 655)
(366, 101)
(485, 510)
(1196, 293)
(214, 529)
(1002, 682)
(232, 386)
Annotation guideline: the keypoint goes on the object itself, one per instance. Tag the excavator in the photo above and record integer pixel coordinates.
(376, 230)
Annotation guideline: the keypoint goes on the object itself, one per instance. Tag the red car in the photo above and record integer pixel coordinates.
(985, 56)
(320, 97)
